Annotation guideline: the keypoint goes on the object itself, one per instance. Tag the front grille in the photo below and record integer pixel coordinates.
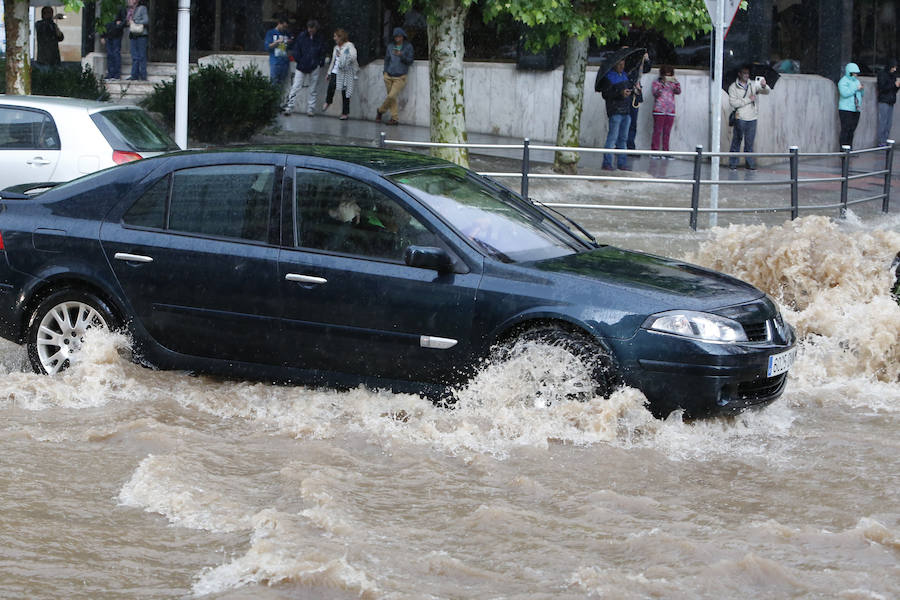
(757, 332)
(760, 389)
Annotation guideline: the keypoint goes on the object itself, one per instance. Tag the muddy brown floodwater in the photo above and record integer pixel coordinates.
(122, 482)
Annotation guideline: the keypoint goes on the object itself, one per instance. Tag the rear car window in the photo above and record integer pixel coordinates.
(132, 129)
(25, 129)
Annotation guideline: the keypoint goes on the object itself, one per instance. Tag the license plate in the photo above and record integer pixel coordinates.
(780, 363)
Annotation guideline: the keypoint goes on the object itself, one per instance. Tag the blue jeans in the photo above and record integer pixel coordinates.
(885, 120)
(746, 131)
(139, 57)
(632, 129)
(113, 58)
(278, 71)
(617, 138)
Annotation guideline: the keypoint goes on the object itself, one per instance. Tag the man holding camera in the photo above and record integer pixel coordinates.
(742, 95)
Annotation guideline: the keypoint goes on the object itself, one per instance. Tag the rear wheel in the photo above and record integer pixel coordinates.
(561, 364)
(57, 327)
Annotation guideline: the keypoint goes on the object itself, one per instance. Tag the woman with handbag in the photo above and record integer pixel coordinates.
(138, 34)
(343, 72)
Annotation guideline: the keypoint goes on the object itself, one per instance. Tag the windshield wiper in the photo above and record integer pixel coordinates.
(574, 224)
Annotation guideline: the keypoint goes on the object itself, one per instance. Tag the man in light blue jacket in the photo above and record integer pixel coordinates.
(850, 90)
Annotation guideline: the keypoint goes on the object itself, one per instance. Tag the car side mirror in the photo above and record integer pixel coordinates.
(428, 257)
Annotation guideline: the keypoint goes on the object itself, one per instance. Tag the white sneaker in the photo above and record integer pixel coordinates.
(310, 113)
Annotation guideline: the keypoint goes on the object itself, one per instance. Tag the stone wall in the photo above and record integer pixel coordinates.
(501, 100)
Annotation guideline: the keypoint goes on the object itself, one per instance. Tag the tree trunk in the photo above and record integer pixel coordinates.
(570, 104)
(18, 69)
(448, 110)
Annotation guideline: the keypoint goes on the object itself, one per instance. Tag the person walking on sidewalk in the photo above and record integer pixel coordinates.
(850, 89)
(309, 55)
(396, 68)
(343, 73)
(664, 89)
(742, 95)
(887, 84)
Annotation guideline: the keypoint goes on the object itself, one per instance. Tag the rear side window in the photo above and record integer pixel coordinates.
(23, 129)
(230, 201)
(130, 129)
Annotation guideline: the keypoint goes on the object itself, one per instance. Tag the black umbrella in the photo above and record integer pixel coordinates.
(756, 70)
(632, 58)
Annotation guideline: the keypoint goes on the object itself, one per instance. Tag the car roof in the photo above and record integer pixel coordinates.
(384, 161)
(56, 102)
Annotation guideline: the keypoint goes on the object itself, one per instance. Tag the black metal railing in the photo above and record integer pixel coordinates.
(699, 157)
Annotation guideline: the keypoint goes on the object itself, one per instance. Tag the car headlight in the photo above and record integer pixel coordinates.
(697, 325)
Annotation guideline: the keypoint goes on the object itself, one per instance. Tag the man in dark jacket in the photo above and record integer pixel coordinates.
(112, 37)
(396, 67)
(887, 84)
(48, 38)
(617, 93)
(309, 55)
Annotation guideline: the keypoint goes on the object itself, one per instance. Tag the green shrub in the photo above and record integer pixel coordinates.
(224, 104)
(66, 80)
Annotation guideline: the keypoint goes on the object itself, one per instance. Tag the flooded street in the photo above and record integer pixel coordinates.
(122, 482)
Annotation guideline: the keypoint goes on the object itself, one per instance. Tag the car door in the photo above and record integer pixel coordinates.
(350, 302)
(29, 146)
(194, 257)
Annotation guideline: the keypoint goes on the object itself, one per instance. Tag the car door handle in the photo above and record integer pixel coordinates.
(133, 257)
(38, 161)
(304, 278)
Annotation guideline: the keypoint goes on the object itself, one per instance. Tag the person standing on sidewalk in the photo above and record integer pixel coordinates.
(887, 84)
(138, 34)
(396, 68)
(309, 55)
(278, 42)
(850, 89)
(112, 37)
(742, 95)
(617, 95)
(664, 89)
(48, 36)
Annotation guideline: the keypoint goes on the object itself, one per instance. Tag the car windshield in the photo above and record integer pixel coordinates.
(492, 218)
(130, 129)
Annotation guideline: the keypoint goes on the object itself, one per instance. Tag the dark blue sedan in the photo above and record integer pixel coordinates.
(346, 265)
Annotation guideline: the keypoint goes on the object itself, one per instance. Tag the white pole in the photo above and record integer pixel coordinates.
(715, 102)
(182, 64)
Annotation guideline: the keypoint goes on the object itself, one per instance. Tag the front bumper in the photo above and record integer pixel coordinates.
(702, 378)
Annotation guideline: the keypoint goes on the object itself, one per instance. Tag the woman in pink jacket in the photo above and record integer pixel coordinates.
(664, 90)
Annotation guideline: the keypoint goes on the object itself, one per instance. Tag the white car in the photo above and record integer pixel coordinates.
(44, 138)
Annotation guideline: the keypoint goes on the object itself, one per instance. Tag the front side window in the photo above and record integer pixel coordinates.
(496, 222)
(22, 129)
(340, 214)
(222, 201)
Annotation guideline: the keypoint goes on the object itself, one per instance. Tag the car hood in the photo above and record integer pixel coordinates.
(663, 283)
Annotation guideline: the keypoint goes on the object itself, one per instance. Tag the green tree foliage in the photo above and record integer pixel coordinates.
(235, 104)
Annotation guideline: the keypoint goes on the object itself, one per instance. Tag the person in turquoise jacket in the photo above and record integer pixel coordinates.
(850, 90)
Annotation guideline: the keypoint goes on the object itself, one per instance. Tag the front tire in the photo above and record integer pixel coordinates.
(562, 364)
(57, 327)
